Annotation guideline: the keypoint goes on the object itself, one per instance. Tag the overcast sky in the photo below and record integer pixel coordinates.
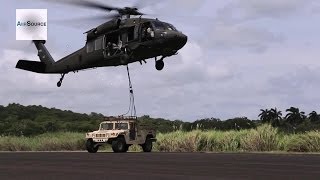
(242, 55)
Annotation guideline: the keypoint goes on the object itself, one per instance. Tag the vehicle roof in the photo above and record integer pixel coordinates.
(121, 121)
(113, 119)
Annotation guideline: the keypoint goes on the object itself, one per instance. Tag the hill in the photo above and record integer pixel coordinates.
(16, 119)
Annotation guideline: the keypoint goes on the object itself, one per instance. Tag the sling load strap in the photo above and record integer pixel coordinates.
(132, 107)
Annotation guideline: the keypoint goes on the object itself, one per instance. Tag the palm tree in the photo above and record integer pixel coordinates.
(272, 116)
(264, 115)
(294, 116)
(314, 117)
(276, 117)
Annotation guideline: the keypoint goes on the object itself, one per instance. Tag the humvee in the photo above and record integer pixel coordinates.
(121, 132)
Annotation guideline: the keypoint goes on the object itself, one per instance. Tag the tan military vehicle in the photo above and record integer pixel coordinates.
(121, 132)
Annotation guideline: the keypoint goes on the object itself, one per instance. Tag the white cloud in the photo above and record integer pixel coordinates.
(241, 10)
(173, 7)
(227, 37)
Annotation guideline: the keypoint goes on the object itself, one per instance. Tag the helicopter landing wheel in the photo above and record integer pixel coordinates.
(159, 65)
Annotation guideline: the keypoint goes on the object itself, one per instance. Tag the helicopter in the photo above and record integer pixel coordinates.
(126, 38)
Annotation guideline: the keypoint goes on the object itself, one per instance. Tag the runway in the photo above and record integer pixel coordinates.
(153, 166)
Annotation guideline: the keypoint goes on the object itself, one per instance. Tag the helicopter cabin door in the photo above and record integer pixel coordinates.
(129, 34)
(112, 44)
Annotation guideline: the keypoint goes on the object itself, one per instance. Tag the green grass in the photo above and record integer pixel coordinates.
(263, 139)
(44, 142)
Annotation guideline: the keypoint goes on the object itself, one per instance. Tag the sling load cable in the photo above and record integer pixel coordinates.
(132, 107)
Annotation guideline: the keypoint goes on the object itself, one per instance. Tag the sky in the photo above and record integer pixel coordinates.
(241, 56)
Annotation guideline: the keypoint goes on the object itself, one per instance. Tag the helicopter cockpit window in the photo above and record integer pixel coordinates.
(170, 27)
(163, 26)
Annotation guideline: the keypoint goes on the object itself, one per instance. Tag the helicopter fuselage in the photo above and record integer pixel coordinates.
(114, 43)
(120, 42)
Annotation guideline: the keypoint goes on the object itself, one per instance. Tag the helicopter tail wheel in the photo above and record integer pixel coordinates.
(59, 83)
(159, 65)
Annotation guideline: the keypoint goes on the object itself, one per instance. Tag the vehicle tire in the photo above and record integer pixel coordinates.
(119, 145)
(147, 146)
(91, 146)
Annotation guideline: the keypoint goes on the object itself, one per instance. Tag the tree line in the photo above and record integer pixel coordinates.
(295, 120)
(19, 120)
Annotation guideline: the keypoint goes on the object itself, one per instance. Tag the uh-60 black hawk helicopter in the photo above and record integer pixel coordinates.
(119, 41)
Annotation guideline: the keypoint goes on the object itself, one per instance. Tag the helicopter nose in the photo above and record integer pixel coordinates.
(177, 40)
(183, 39)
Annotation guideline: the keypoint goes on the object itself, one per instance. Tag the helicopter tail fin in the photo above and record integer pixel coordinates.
(43, 53)
(33, 66)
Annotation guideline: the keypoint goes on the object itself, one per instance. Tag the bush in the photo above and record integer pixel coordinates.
(308, 142)
(264, 138)
(44, 142)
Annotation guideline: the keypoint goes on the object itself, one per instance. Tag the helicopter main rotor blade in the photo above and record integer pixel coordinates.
(84, 21)
(143, 3)
(92, 18)
(86, 4)
(95, 5)
(100, 6)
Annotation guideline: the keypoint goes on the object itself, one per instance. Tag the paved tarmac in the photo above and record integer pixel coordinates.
(153, 166)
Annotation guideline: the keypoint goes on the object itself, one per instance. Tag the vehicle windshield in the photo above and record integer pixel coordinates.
(106, 126)
(121, 126)
(163, 26)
